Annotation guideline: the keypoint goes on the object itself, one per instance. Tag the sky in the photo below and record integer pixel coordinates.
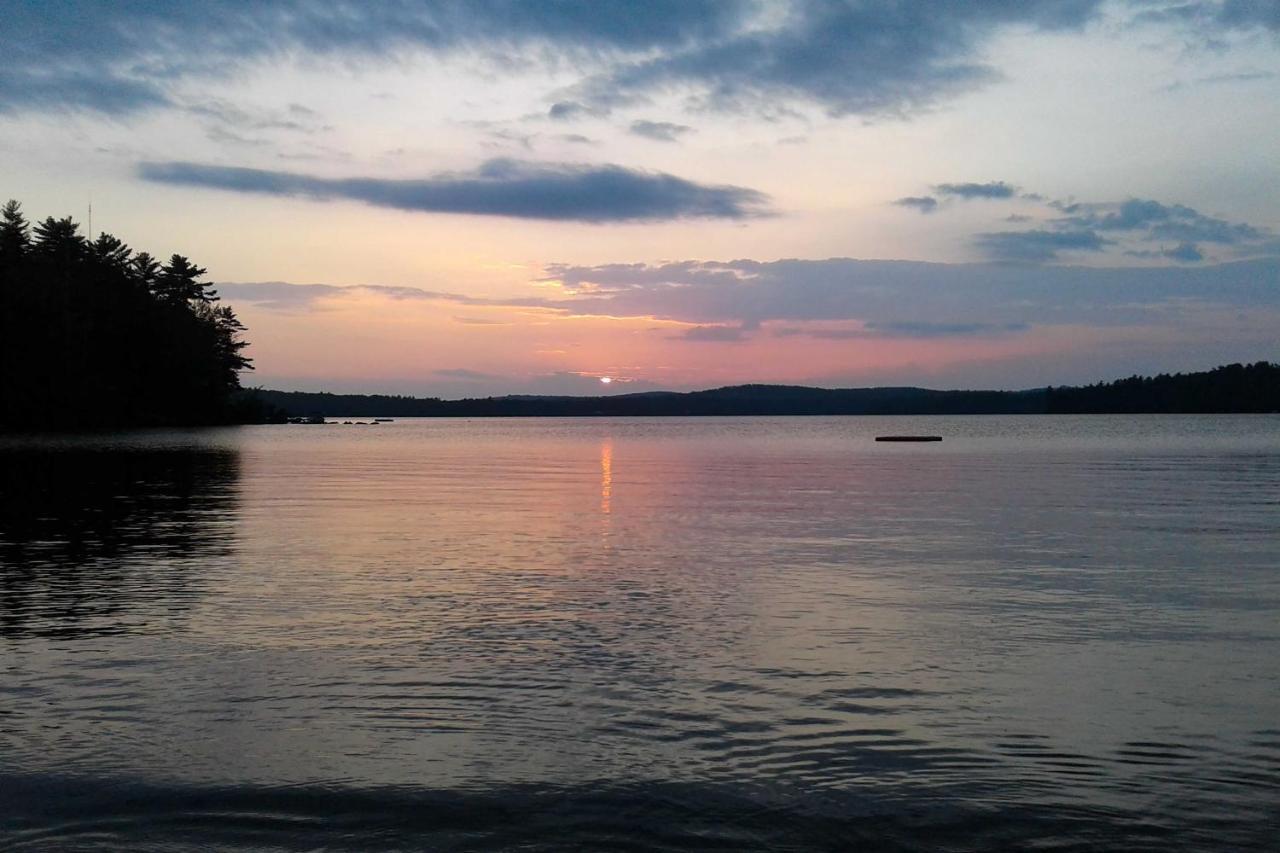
(448, 198)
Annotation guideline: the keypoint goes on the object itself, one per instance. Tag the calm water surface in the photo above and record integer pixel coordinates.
(1042, 633)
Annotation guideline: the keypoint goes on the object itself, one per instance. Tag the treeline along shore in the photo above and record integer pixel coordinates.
(1231, 388)
(95, 335)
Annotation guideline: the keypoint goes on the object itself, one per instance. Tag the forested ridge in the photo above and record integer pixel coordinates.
(1231, 388)
(94, 334)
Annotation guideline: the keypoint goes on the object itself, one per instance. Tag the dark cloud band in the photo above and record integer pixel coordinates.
(498, 188)
(995, 189)
(922, 203)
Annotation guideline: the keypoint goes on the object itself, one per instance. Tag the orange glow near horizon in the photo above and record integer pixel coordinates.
(375, 343)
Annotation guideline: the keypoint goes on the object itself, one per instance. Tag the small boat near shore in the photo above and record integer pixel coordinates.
(908, 438)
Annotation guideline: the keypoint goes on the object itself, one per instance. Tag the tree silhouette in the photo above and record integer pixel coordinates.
(93, 335)
(15, 233)
(1229, 388)
(177, 283)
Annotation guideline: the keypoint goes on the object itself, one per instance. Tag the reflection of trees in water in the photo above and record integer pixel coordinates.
(108, 541)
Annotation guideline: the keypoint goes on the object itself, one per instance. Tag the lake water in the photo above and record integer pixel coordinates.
(1042, 633)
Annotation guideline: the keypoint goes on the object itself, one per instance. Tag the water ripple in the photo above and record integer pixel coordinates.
(732, 634)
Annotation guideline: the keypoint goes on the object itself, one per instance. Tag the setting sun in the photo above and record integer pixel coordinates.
(606, 379)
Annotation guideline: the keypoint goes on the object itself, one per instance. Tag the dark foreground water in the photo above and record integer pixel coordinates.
(771, 634)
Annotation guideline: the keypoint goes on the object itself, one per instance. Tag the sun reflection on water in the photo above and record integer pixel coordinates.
(606, 476)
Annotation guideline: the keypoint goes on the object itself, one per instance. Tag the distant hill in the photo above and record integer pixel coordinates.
(737, 400)
(1233, 388)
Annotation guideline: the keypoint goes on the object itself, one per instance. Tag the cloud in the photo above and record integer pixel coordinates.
(865, 58)
(1143, 228)
(502, 138)
(1186, 252)
(1160, 222)
(1037, 246)
(500, 187)
(1222, 79)
(229, 123)
(994, 189)
(924, 204)
(223, 112)
(1206, 229)
(1209, 15)
(714, 333)
(963, 191)
(906, 298)
(572, 110)
(29, 89)
(1247, 14)
(278, 295)
(903, 329)
(1134, 213)
(660, 131)
(218, 134)
(284, 296)
(907, 329)
(848, 58)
